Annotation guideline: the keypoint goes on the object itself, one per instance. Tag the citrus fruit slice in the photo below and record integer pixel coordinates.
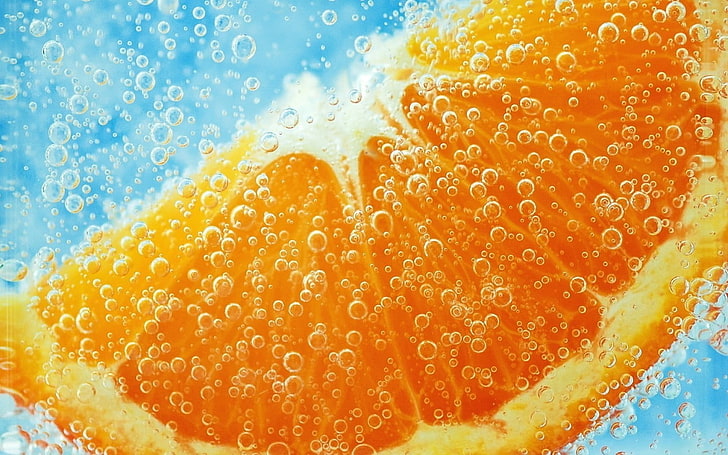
(482, 254)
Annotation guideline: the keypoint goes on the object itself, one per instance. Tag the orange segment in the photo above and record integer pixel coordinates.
(464, 265)
(260, 326)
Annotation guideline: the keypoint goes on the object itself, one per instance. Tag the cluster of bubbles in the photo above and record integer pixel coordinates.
(125, 120)
(670, 401)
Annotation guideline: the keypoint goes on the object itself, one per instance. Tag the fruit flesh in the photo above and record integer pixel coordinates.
(229, 280)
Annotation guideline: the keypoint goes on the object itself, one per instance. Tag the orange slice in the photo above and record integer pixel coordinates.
(484, 254)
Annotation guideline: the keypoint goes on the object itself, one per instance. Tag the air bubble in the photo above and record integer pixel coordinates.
(317, 241)
(52, 190)
(175, 93)
(578, 285)
(357, 310)
(8, 92)
(59, 133)
(200, 30)
(703, 132)
(355, 96)
(100, 77)
(608, 359)
(382, 222)
(522, 383)
(139, 230)
(515, 54)
(269, 142)
(16, 442)
(640, 201)
(687, 410)
(317, 340)
(13, 270)
(578, 158)
(206, 146)
(479, 62)
(219, 182)
(478, 190)
(186, 188)
(93, 234)
(159, 156)
(128, 97)
(679, 286)
(489, 177)
(198, 12)
(363, 449)
(53, 51)
(565, 7)
(252, 83)
(566, 62)
(502, 297)
(527, 208)
(670, 388)
(722, 42)
(531, 106)
(427, 350)
(142, 61)
(74, 203)
(710, 83)
(492, 210)
(78, 104)
(346, 358)
(612, 238)
(608, 32)
(161, 133)
(433, 248)
(243, 47)
(70, 179)
(288, 118)
(538, 419)
(233, 311)
(719, 342)
(45, 255)
(481, 267)
(362, 44)
(218, 56)
(525, 188)
(159, 267)
(329, 17)
(676, 10)
(145, 81)
(223, 22)
(168, 6)
(673, 132)
(174, 116)
(618, 430)
(85, 392)
(699, 32)
(293, 361)
(56, 155)
(686, 247)
(37, 28)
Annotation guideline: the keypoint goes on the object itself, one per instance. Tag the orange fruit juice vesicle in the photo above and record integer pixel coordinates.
(484, 253)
